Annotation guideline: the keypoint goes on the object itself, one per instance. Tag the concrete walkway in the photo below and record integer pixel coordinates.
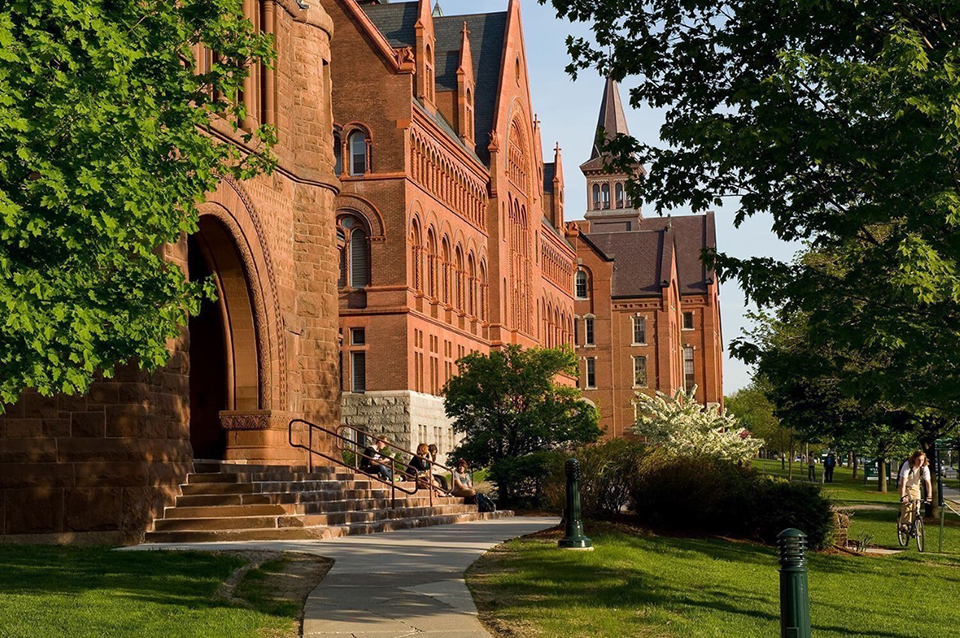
(396, 584)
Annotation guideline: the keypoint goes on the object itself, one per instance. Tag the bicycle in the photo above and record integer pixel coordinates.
(914, 529)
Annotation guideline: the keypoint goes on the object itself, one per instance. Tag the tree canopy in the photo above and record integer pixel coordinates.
(839, 121)
(104, 156)
(510, 404)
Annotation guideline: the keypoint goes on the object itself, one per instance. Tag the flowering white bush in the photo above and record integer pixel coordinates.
(680, 425)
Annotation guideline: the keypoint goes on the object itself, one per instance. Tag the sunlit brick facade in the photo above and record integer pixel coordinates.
(449, 221)
(647, 310)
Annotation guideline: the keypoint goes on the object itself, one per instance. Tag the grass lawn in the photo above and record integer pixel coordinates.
(643, 585)
(84, 591)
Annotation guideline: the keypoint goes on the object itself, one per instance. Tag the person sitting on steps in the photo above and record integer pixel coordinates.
(439, 478)
(462, 483)
(374, 463)
(419, 467)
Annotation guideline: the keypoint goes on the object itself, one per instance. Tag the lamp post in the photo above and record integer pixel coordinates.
(794, 592)
(574, 538)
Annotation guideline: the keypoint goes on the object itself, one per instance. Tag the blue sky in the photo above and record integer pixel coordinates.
(568, 114)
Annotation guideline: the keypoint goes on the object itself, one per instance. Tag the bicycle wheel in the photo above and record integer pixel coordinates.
(918, 528)
(903, 534)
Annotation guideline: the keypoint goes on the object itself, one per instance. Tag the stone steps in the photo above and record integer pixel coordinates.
(318, 532)
(222, 501)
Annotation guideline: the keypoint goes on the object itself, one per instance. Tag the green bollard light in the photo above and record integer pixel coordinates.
(794, 592)
(574, 538)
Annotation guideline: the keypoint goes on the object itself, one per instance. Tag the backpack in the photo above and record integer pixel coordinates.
(485, 504)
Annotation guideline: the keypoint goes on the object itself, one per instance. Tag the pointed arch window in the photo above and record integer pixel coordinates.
(337, 153)
(358, 153)
(605, 196)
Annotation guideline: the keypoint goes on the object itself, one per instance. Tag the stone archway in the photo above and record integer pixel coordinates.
(225, 357)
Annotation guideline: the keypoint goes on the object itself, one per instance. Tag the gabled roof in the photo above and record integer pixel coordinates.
(642, 257)
(487, 32)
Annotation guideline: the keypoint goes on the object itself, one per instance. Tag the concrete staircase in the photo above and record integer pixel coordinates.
(229, 502)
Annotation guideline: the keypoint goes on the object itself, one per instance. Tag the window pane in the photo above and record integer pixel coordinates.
(358, 153)
(581, 284)
(588, 330)
(358, 362)
(688, 376)
(358, 336)
(591, 373)
(358, 259)
(337, 155)
(640, 372)
(639, 330)
(619, 191)
(688, 321)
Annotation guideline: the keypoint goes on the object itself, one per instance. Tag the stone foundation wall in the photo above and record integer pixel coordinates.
(405, 417)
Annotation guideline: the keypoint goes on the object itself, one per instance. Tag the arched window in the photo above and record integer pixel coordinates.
(596, 196)
(483, 291)
(353, 240)
(471, 286)
(417, 249)
(445, 271)
(358, 153)
(431, 264)
(458, 273)
(581, 285)
(337, 154)
(605, 196)
(619, 194)
(468, 128)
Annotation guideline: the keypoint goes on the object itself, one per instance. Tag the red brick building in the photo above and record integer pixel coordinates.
(104, 465)
(647, 310)
(448, 222)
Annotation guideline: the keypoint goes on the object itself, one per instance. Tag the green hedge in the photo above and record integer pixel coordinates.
(717, 497)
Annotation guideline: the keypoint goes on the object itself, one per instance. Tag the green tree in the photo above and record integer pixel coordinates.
(836, 119)
(105, 153)
(509, 405)
(755, 412)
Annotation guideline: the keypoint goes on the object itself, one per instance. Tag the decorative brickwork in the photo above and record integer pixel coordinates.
(461, 223)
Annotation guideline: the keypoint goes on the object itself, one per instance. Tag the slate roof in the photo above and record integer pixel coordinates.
(549, 172)
(642, 258)
(396, 22)
(612, 121)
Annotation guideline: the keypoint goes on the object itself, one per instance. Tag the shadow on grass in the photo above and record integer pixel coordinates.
(183, 579)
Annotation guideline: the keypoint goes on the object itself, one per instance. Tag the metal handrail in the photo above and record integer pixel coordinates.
(430, 462)
(310, 452)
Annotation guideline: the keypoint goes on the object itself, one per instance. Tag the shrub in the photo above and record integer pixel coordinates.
(607, 472)
(717, 497)
(520, 479)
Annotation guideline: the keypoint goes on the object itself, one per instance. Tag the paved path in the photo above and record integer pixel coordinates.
(396, 584)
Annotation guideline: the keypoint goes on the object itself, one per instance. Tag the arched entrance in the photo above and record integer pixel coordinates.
(224, 357)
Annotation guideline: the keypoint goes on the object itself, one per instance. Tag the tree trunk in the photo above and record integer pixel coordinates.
(790, 466)
(854, 466)
(929, 448)
(783, 461)
(882, 478)
(850, 461)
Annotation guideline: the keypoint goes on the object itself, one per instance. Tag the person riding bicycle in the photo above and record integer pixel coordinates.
(912, 472)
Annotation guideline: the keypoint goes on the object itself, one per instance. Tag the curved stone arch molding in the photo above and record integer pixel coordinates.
(357, 204)
(233, 207)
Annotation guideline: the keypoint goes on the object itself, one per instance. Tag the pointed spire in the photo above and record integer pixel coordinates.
(437, 11)
(612, 119)
(466, 55)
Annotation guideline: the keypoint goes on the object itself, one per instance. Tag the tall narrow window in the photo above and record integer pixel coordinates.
(639, 330)
(588, 331)
(688, 321)
(581, 285)
(596, 196)
(688, 377)
(639, 372)
(591, 372)
(358, 153)
(618, 190)
(605, 196)
(342, 248)
(576, 331)
(359, 268)
(358, 365)
(337, 155)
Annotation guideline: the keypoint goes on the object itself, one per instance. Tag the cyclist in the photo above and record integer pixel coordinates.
(912, 472)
